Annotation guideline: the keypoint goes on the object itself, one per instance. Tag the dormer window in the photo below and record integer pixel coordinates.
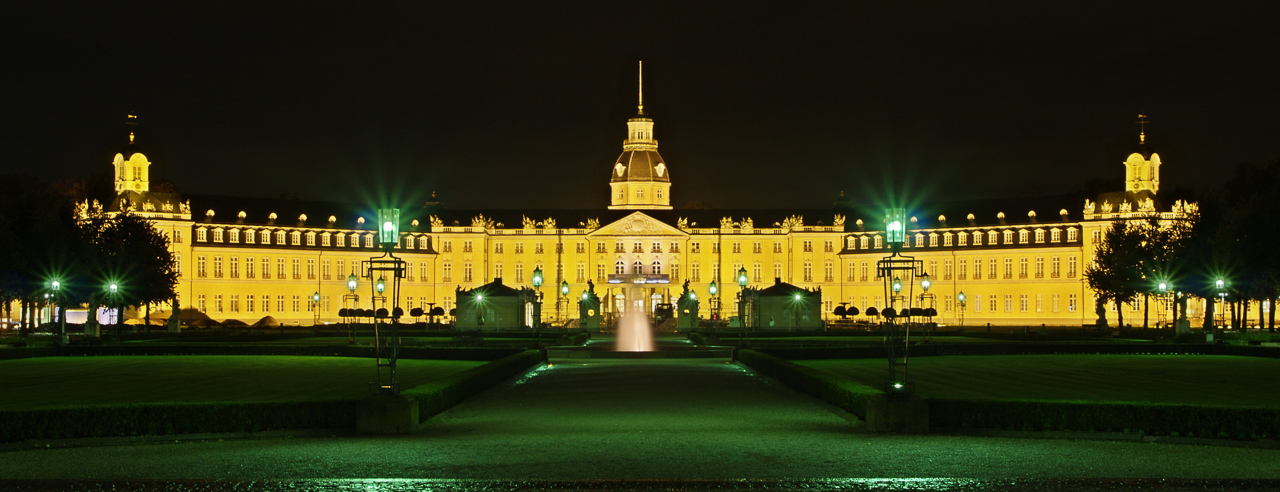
(1022, 237)
(1055, 235)
(249, 237)
(235, 236)
(266, 237)
(1073, 235)
(280, 237)
(217, 235)
(325, 239)
(1039, 235)
(202, 235)
(311, 239)
(295, 238)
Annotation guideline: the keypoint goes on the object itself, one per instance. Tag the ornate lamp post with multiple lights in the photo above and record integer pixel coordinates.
(386, 340)
(742, 297)
(714, 291)
(537, 284)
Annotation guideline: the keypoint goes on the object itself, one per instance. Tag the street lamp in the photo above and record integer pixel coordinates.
(537, 278)
(382, 285)
(315, 308)
(924, 282)
(113, 293)
(56, 286)
(563, 298)
(742, 298)
(961, 298)
(897, 285)
(714, 289)
(352, 282)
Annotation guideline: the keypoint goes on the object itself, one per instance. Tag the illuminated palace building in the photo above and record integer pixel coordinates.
(1018, 262)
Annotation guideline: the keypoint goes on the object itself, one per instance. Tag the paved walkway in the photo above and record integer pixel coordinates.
(640, 419)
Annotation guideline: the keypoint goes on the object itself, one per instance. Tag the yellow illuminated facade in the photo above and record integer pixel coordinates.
(245, 259)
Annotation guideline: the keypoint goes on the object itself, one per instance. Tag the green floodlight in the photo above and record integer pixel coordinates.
(389, 228)
(713, 288)
(895, 229)
(584, 296)
(382, 284)
(897, 285)
(924, 282)
(352, 282)
(1221, 284)
(693, 295)
(1164, 287)
(798, 296)
(742, 277)
(55, 285)
(564, 288)
(113, 288)
(479, 297)
(537, 278)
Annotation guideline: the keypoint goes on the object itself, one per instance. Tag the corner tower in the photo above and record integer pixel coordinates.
(1142, 167)
(640, 179)
(133, 170)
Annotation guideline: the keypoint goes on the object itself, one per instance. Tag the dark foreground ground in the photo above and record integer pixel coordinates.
(677, 424)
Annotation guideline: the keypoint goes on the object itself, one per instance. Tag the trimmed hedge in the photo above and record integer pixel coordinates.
(452, 353)
(698, 338)
(438, 396)
(1155, 419)
(843, 393)
(173, 418)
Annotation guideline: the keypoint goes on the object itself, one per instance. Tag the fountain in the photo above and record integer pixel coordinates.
(635, 333)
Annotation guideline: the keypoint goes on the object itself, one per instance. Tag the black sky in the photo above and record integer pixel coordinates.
(524, 104)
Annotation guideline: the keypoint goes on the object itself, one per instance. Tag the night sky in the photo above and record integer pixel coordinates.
(524, 104)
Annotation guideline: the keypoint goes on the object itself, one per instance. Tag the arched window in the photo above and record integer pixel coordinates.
(639, 193)
(637, 267)
(620, 267)
(657, 267)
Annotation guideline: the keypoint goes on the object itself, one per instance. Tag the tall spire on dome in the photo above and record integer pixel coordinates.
(641, 87)
(132, 121)
(1142, 129)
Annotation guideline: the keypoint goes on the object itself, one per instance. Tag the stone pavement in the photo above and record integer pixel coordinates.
(600, 420)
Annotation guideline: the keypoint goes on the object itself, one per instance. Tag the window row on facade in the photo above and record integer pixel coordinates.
(983, 268)
(266, 237)
(1005, 237)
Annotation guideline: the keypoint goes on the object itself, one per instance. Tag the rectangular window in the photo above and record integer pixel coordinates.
(656, 247)
(311, 239)
(177, 237)
(933, 269)
(737, 247)
(695, 273)
(1072, 235)
(1055, 303)
(519, 248)
(341, 241)
(963, 239)
(777, 247)
(248, 300)
(582, 272)
(1008, 267)
(675, 246)
(777, 270)
(977, 303)
(217, 235)
(249, 267)
(466, 246)
(217, 303)
(311, 268)
(808, 246)
(1008, 303)
(828, 246)
(234, 236)
(977, 268)
(297, 304)
(235, 267)
(1071, 303)
(991, 268)
(177, 264)
(963, 271)
(325, 271)
(1055, 269)
(1071, 267)
(537, 248)
(715, 247)
(497, 248)
(581, 247)
(200, 303)
(1039, 303)
(946, 269)
(280, 274)
(600, 272)
(755, 247)
(202, 235)
(1022, 267)
(1055, 236)
(297, 269)
(448, 272)
(280, 304)
(422, 272)
(200, 266)
(1022, 302)
(466, 272)
(266, 268)
(235, 303)
(755, 272)
(368, 241)
(862, 275)
(266, 303)
(217, 267)
(326, 240)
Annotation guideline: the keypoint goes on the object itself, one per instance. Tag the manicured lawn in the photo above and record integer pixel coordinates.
(917, 337)
(1188, 379)
(59, 381)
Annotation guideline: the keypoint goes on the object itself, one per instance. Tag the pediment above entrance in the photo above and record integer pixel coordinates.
(637, 224)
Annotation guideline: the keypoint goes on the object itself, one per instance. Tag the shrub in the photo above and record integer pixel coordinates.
(843, 393)
(438, 396)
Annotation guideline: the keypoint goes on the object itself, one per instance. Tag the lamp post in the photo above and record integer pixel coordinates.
(354, 311)
(962, 300)
(537, 284)
(564, 297)
(742, 297)
(113, 296)
(1222, 304)
(714, 290)
(56, 286)
(315, 309)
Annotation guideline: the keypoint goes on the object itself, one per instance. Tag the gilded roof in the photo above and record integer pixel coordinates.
(640, 165)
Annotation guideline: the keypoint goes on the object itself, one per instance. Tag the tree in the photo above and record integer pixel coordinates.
(1115, 273)
(130, 251)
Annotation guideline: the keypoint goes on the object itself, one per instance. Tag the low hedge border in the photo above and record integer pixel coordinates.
(1140, 418)
(87, 421)
(438, 396)
(173, 418)
(843, 393)
(929, 349)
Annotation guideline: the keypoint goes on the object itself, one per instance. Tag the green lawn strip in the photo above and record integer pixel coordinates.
(1138, 379)
(840, 391)
(438, 395)
(49, 382)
